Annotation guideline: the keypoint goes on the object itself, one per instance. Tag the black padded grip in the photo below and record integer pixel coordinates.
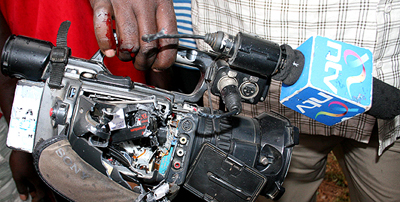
(385, 100)
(66, 173)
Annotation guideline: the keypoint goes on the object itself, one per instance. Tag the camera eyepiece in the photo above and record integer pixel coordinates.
(25, 57)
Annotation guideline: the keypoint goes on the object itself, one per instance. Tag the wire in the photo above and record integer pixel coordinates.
(163, 34)
(218, 116)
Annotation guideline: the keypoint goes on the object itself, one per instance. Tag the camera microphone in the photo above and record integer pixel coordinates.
(250, 53)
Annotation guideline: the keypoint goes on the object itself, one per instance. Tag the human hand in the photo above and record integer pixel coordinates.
(26, 179)
(133, 19)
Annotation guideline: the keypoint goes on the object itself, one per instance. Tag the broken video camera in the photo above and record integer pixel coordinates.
(155, 140)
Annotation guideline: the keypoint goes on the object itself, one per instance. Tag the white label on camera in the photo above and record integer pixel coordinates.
(118, 121)
(24, 114)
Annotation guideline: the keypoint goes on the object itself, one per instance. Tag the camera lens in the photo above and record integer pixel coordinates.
(25, 57)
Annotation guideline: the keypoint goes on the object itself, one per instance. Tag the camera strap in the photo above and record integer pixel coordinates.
(59, 56)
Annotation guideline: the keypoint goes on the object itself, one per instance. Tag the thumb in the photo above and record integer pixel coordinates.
(23, 197)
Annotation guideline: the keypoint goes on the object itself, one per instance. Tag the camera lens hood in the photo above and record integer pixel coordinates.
(25, 57)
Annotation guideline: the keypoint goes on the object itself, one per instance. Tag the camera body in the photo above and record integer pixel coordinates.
(156, 139)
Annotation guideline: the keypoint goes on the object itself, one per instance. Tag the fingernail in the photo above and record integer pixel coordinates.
(157, 70)
(109, 53)
(23, 197)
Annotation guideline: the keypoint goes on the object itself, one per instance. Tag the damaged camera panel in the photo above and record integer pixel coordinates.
(138, 137)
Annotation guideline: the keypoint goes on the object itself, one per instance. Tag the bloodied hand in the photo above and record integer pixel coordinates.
(132, 19)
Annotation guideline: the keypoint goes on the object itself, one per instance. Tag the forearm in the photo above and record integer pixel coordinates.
(7, 85)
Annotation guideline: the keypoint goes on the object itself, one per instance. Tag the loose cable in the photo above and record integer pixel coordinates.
(163, 34)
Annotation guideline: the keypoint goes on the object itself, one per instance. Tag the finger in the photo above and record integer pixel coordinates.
(22, 189)
(40, 198)
(160, 79)
(23, 197)
(40, 189)
(127, 32)
(103, 26)
(167, 47)
(146, 18)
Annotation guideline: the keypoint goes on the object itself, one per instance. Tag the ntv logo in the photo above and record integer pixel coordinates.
(333, 62)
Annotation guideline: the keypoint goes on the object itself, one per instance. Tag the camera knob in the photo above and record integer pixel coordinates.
(59, 112)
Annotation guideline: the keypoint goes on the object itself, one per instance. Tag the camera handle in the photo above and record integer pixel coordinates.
(201, 60)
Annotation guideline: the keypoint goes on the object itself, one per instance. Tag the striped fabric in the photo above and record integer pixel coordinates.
(372, 24)
(184, 20)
